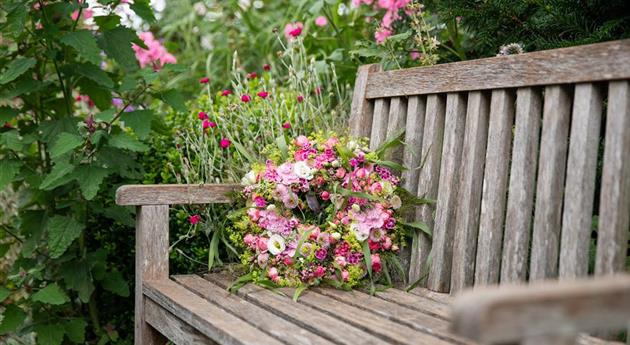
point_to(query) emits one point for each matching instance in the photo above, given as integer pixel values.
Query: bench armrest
(548, 309)
(174, 194)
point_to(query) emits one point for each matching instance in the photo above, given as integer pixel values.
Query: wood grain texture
(396, 123)
(469, 196)
(614, 209)
(579, 190)
(495, 182)
(379, 123)
(550, 184)
(428, 184)
(588, 63)
(520, 203)
(174, 194)
(208, 319)
(422, 304)
(443, 233)
(512, 313)
(176, 330)
(414, 131)
(362, 109)
(323, 324)
(443, 298)
(262, 319)
(151, 264)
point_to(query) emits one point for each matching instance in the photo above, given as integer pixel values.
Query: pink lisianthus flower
(301, 141)
(321, 21)
(345, 275)
(262, 259)
(293, 30)
(194, 219)
(250, 240)
(261, 243)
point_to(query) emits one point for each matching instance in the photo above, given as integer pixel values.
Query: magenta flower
(286, 125)
(205, 124)
(263, 94)
(225, 143)
(267, 67)
(202, 115)
(293, 30)
(226, 93)
(321, 21)
(376, 263)
(252, 75)
(204, 80)
(300, 98)
(246, 98)
(194, 219)
(155, 55)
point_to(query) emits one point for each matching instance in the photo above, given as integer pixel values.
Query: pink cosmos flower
(225, 143)
(246, 98)
(300, 98)
(286, 125)
(321, 21)
(226, 93)
(202, 115)
(194, 219)
(155, 55)
(293, 30)
(263, 94)
(204, 80)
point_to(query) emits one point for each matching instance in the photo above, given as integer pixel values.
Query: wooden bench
(509, 147)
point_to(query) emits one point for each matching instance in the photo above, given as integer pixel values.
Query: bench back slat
(614, 210)
(495, 186)
(579, 192)
(511, 149)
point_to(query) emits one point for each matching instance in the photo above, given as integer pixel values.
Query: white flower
(302, 170)
(388, 188)
(395, 202)
(249, 178)
(336, 235)
(276, 244)
(359, 235)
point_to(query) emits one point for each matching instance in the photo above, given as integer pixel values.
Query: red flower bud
(204, 80)
(263, 94)
(267, 67)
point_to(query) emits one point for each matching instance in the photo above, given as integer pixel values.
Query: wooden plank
(469, 196)
(443, 298)
(151, 264)
(173, 194)
(550, 185)
(579, 189)
(428, 184)
(396, 122)
(521, 188)
(614, 217)
(495, 182)
(260, 318)
(397, 312)
(422, 304)
(512, 313)
(588, 63)
(362, 109)
(320, 323)
(442, 250)
(414, 131)
(176, 330)
(208, 319)
(379, 123)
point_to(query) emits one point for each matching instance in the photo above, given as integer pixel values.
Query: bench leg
(151, 264)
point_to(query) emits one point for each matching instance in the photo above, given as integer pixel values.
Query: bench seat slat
(210, 320)
(176, 330)
(258, 317)
(422, 304)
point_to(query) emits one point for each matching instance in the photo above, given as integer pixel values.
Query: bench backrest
(511, 149)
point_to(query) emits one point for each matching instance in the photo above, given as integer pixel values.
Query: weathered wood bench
(509, 147)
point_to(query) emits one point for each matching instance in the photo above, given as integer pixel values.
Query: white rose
(395, 202)
(276, 244)
(360, 236)
(302, 170)
(249, 178)
(336, 235)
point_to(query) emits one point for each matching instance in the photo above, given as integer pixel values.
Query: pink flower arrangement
(155, 55)
(314, 215)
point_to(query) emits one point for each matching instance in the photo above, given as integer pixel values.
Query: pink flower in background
(300, 98)
(263, 94)
(225, 143)
(381, 34)
(266, 67)
(156, 54)
(226, 93)
(252, 75)
(204, 80)
(321, 21)
(205, 124)
(273, 274)
(86, 14)
(202, 115)
(293, 30)
(246, 98)
(286, 125)
(415, 55)
(194, 219)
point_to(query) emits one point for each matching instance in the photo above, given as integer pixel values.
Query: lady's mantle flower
(276, 244)
(194, 219)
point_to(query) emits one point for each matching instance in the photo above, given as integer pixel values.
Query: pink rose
(341, 261)
(325, 195)
(340, 173)
(273, 274)
(262, 244)
(376, 188)
(319, 271)
(262, 259)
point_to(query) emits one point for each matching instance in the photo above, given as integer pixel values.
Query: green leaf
(62, 231)
(15, 20)
(367, 256)
(114, 282)
(240, 282)
(84, 43)
(101, 95)
(4, 293)
(90, 178)
(49, 334)
(390, 164)
(11, 140)
(8, 170)
(76, 276)
(64, 144)
(51, 294)
(175, 99)
(23, 86)
(75, 330)
(106, 116)
(127, 142)
(396, 140)
(107, 22)
(298, 291)
(316, 7)
(282, 145)
(143, 10)
(213, 251)
(94, 73)
(51, 129)
(117, 44)
(8, 114)
(399, 37)
(420, 226)
(16, 68)
(243, 151)
(59, 175)
(13, 318)
(139, 121)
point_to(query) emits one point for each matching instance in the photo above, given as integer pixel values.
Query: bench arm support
(549, 312)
